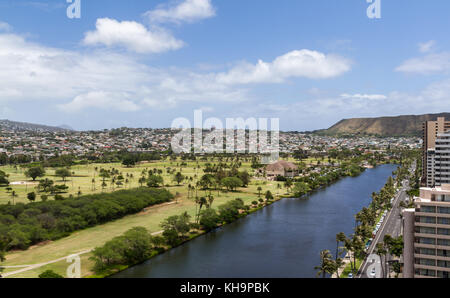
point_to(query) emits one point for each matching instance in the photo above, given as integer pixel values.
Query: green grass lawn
(97, 236)
(348, 268)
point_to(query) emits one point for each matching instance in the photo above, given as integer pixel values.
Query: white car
(373, 273)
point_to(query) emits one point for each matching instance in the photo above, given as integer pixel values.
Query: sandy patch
(23, 183)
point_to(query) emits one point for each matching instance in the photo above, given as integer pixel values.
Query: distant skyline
(142, 63)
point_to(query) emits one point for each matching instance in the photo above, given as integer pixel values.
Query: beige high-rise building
(426, 233)
(426, 228)
(436, 153)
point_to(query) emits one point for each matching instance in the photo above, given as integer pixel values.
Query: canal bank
(281, 240)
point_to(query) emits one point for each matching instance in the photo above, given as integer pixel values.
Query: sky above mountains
(143, 63)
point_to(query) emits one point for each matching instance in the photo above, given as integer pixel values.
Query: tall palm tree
(340, 237)
(381, 252)
(325, 264)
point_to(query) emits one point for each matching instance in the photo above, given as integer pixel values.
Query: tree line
(138, 245)
(22, 225)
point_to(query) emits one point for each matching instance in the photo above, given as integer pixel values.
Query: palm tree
(381, 251)
(326, 264)
(210, 201)
(288, 184)
(387, 242)
(259, 189)
(340, 237)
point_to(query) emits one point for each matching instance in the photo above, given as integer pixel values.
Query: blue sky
(144, 63)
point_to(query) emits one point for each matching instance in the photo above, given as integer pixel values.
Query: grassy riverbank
(151, 218)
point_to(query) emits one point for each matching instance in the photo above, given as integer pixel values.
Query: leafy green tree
(155, 181)
(269, 196)
(35, 172)
(2, 259)
(209, 219)
(139, 242)
(3, 178)
(63, 173)
(178, 223)
(245, 177)
(230, 211)
(31, 196)
(104, 174)
(129, 161)
(172, 237)
(50, 274)
(178, 178)
(259, 189)
(46, 185)
(288, 184)
(300, 189)
(232, 183)
(207, 181)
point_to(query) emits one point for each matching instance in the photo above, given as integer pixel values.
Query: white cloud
(330, 109)
(303, 63)
(364, 96)
(429, 64)
(426, 46)
(186, 11)
(132, 36)
(102, 100)
(5, 27)
(76, 81)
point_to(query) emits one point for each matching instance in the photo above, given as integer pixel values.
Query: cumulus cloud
(102, 100)
(303, 63)
(132, 36)
(364, 96)
(428, 64)
(330, 109)
(76, 81)
(186, 11)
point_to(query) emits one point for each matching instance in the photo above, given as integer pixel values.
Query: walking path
(34, 266)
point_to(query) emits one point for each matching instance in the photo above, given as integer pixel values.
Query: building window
(428, 209)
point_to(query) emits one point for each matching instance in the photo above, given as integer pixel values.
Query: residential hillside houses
(47, 143)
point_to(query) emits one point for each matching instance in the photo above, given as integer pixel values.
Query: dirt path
(31, 267)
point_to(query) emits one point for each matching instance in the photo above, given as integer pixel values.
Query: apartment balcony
(423, 276)
(432, 236)
(431, 225)
(426, 267)
(432, 257)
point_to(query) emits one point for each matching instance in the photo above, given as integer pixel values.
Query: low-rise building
(281, 168)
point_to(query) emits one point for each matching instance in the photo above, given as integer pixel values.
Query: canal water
(282, 240)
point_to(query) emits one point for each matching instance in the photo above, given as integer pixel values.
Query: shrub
(50, 220)
(50, 274)
(209, 219)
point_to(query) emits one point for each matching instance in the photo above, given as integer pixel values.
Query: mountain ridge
(16, 125)
(403, 125)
